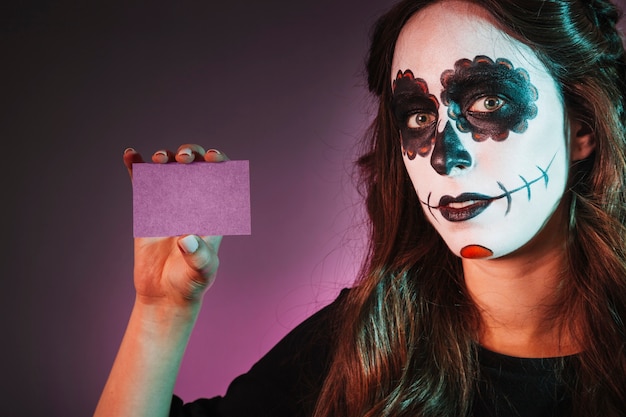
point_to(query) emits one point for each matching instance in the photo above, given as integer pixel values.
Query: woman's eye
(420, 120)
(487, 104)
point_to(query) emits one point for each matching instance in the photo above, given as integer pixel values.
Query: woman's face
(483, 131)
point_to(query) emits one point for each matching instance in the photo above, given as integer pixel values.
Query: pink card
(199, 198)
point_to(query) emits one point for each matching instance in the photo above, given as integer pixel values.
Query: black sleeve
(284, 383)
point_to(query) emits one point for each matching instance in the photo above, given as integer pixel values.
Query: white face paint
(483, 130)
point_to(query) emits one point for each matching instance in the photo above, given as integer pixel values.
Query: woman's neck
(516, 296)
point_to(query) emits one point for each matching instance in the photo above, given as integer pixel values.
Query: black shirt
(288, 379)
(510, 386)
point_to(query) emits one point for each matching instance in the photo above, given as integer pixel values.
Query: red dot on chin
(476, 252)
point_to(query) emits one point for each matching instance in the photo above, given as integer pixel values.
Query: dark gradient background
(275, 82)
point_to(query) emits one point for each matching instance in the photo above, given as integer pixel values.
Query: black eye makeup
(489, 98)
(415, 111)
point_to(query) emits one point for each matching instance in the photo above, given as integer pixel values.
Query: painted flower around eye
(489, 98)
(415, 112)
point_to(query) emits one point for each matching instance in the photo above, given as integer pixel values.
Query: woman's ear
(582, 140)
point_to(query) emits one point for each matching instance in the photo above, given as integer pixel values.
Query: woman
(496, 277)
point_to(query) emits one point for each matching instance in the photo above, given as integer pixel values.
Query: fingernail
(189, 244)
(161, 153)
(128, 150)
(185, 152)
(214, 151)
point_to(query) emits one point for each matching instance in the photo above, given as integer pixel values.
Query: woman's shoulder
(310, 341)
(286, 381)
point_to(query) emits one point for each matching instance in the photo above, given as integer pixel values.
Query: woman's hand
(175, 271)
(171, 275)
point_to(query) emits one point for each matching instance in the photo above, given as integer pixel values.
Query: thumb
(201, 255)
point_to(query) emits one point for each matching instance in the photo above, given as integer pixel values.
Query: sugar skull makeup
(483, 131)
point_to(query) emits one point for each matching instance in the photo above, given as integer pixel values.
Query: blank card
(200, 198)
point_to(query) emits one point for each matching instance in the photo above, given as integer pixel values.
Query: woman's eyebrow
(498, 74)
(408, 92)
(406, 97)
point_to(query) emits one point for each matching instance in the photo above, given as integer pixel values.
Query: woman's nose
(449, 156)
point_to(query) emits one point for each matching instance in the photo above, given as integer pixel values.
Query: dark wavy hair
(406, 337)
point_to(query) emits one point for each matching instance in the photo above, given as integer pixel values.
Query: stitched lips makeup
(466, 206)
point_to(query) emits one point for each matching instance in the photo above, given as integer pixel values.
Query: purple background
(275, 82)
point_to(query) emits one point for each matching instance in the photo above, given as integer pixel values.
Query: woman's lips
(463, 207)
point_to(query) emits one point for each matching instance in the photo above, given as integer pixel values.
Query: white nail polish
(214, 151)
(189, 244)
(185, 152)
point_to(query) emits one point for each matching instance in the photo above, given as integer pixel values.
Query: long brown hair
(405, 342)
